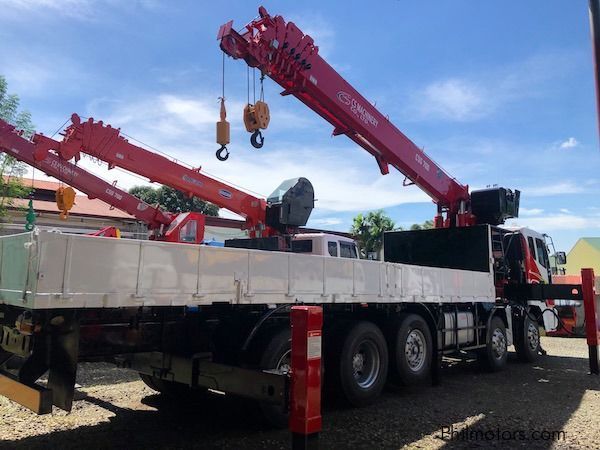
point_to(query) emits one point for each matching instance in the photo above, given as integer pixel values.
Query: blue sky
(496, 92)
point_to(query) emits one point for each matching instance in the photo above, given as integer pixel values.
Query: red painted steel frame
(12, 143)
(305, 391)
(106, 143)
(111, 232)
(594, 7)
(592, 318)
(289, 57)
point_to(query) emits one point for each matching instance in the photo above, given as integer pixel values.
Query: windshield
(180, 218)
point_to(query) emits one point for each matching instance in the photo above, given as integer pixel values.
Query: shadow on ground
(542, 397)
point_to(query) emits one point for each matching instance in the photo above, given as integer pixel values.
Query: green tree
(173, 200)
(427, 225)
(145, 193)
(11, 170)
(368, 231)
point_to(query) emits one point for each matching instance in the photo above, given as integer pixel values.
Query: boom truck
(207, 318)
(282, 52)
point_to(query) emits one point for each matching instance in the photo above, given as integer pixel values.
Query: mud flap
(57, 352)
(64, 352)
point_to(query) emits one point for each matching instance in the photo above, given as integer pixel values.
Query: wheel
(360, 363)
(527, 339)
(495, 355)
(411, 350)
(171, 388)
(277, 355)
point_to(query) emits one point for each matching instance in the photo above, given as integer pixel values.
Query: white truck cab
(325, 244)
(536, 267)
(537, 261)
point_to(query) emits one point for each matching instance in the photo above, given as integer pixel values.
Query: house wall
(582, 255)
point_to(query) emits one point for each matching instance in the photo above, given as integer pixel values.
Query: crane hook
(222, 133)
(222, 154)
(256, 139)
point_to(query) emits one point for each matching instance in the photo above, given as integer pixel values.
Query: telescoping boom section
(13, 144)
(289, 57)
(282, 212)
(184, 227)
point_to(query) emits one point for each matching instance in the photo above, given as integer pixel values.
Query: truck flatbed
(45, 270)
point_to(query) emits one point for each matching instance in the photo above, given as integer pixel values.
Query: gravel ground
(514, 408)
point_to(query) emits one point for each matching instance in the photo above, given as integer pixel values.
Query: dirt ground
(552, 404)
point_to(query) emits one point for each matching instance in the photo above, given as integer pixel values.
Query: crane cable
(223, 129)
(256, 115)
(64, 196)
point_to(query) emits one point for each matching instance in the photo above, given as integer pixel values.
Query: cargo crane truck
(207, 318)
(282, 52)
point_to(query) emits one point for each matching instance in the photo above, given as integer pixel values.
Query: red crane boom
(288, 208)
(105, 142)
(290, 57)
(166, 225)
(23, 150)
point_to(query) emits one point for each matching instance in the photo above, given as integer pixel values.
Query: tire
(277, 355)
(495, 355)
(527, 339)
(411, 350)
(358, 367)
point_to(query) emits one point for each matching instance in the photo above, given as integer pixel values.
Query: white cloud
(470, 97)
(318, 28)
(569, 143)
(326, 221)
(350, 192)
(87, 10)
(34, 73)
(557, 222)
(345, 179)
(530, 212)
(172, 120)
(229, 215)
(189, 112)
(80, 9)
(566, 187)
(451, 99)
(340, 184)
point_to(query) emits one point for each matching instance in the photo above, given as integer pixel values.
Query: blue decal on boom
(226, 194)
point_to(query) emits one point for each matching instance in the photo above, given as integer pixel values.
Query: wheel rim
(498, 343)
(284, 364)
(415, 350)
(533, 336)
(366, 364)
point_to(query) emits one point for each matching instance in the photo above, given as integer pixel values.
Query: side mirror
(561, 258)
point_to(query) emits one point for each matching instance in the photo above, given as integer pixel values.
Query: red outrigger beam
(305, 391)
(591, 305)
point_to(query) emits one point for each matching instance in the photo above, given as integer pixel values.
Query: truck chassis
(204, 318)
